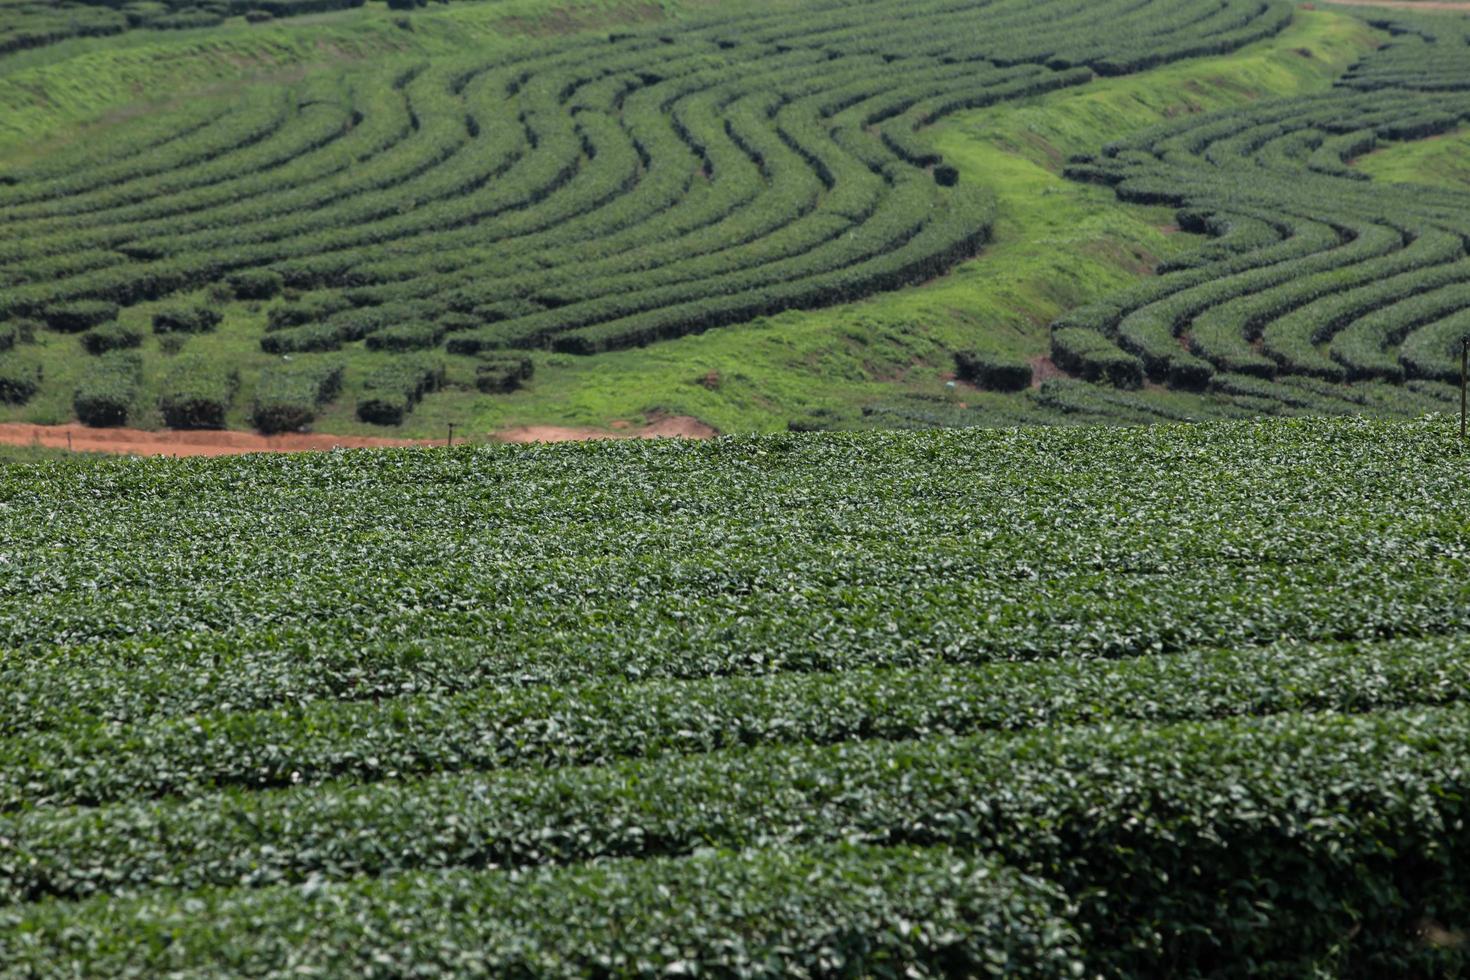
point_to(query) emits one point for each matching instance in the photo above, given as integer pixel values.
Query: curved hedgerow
(583, 193)
(1312, 271)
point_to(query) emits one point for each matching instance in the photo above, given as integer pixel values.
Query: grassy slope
(1443, 161)
(50, 94)
(1058, 243)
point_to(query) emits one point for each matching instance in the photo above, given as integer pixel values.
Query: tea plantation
(454, 215)
(1071, 702)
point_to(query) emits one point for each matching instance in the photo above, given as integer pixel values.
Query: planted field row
(428, 704)
(26, 24)
(1312, 271)
(587, 193)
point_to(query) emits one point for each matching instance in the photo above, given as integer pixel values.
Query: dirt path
(1460, 5)
(170, 442)
(138, 442)
(668, 427)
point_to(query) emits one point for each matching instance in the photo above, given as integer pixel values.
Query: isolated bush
(186, 319)
(20, 378)
(112, 336)
(80, 315)
(255, 284)
(287, 396)
(392, 391)
(502, 373)
(197, 393)
(994, 372)
(107, 392)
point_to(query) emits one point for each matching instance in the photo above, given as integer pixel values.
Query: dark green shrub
(304, 311)
(20, 378)
(24, 330)
(502, 373)
(257, 16)
(107, 392)
(197, 394)
(9, 336)
(80, 315)
(186, 319)
(255, 284)
(946, 175)
(1093, 357)
(112, 336)
(312, 337)
(392, 391)
(288, 395)
(406, 336)
(994, 372)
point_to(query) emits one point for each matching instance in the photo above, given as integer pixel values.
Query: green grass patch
(1440, 161)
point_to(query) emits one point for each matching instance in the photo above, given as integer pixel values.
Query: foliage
(197, 393)
(1313, 271)
(992, 371)
(394, 389)
(288, 396)
(108, 390)
(186, 319)
(74, 317)
(359, 710)
(588, 193)
(111, 336)
(20, 378)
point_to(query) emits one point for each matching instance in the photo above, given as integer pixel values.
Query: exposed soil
(169, 442)
(1043, 369)
(668, 427)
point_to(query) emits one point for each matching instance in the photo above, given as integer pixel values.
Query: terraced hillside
(1160, 701)
(581, 195)
(1316, 275)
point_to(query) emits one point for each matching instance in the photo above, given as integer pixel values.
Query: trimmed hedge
(255, 283)
(502, 373)
(20, 378)
(287, 396)
(197, 393)
(994, 372)
(79, 315)
(406, 337)
(186, 319)
(109, 388)
(391, 391)
(832, 910)
(112, 336)
(1093, 357)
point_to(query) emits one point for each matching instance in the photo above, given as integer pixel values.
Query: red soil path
(138, 442)
(171, 442)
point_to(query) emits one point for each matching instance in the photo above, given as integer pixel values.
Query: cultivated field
(996, 687)
(341, 245)
(1151, 701)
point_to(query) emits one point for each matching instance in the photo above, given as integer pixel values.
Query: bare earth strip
(170, 442)
(138, 442)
